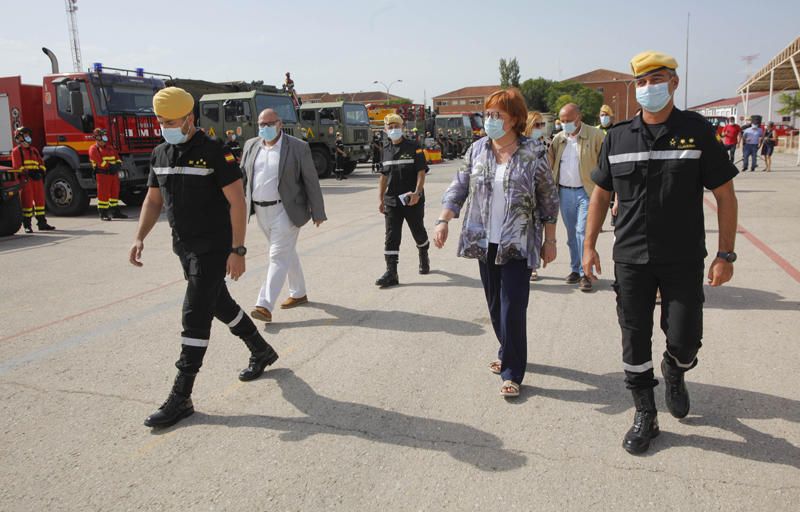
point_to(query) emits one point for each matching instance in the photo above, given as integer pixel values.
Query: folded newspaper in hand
(405, 198)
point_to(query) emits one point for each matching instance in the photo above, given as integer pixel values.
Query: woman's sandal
(509, 389)
(495, 367)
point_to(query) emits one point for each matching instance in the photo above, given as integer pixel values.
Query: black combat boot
(42, 225)
(117, 213)
(676, 395)
(424, 260)
(178, 404)
(262, 355)
(104, 214)
(645, 422)
(389, 278)
(26, 224)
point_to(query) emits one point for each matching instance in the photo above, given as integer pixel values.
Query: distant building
(367, 98)
(618, 90)
(758, 105)
(464, 100)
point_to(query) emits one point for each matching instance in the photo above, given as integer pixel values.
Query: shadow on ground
(327, 416)
(712, 406)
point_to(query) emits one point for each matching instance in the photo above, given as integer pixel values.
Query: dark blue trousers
(507, 289)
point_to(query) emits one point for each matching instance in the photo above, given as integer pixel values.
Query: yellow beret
(606, 109)
(649, 61)
(392, 118)
(172, 103)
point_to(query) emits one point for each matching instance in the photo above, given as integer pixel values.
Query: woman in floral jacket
(508, 198)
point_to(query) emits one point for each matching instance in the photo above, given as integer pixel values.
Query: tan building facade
(464, 100)
(618, 90)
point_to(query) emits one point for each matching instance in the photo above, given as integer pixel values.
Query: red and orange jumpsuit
(29, 163)
(106, 162)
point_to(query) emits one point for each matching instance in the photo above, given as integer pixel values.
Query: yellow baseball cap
(172, 103)
(607, 110)
(649, 61)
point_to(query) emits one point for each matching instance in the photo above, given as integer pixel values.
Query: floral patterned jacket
(531, 201)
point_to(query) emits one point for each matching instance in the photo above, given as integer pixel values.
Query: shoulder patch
(229, 158)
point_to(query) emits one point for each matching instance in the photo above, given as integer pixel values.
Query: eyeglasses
(493, 115)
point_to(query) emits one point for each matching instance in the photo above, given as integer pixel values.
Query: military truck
(222, 106)
(321, 121)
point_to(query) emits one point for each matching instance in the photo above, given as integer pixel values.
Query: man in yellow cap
(401, 197)
(200, 185)
(658, 164)
(606, 118)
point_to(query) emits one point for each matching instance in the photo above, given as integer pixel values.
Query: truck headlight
(122, 175)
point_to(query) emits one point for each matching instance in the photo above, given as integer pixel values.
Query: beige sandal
(495, 366)
(509, 389)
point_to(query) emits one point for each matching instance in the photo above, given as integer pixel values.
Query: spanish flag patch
(229, 158)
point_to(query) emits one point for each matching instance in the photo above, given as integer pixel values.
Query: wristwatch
(730, 257)
(241, 250)
(440, 221)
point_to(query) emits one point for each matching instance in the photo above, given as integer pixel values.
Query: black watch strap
(730, 257)
(241, 250)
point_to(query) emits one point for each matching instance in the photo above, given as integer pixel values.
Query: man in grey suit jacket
(282, 190)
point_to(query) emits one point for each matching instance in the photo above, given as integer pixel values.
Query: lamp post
(627, 94)
(388, 87)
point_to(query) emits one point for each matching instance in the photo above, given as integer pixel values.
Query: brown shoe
(291, 302)
(585, 285)
(261, 313)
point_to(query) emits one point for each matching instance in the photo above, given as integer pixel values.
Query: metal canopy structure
(780, 73)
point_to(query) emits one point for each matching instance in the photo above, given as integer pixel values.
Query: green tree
(561, 101)
(791, 105)
(586, 98)
(535, 92)
(509, 73)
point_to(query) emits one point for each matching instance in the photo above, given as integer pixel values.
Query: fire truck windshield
(282, 105)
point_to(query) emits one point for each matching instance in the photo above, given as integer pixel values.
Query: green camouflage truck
(320, 122)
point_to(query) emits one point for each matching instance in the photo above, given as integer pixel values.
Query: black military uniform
(191, 177)
(341, 159)
(401, 164)
(659, 173)
(377, 149)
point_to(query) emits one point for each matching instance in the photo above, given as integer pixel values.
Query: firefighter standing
(106, 164)
(200, 185)
(341, 157)
(402, 198)
(26, 160)
(377, 148)
(232, 145)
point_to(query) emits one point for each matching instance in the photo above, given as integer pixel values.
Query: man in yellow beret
(401, 198)
(606, 118)
(199, 183)
(658, 164)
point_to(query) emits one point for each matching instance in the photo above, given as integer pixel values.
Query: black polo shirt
(191, 177)
(401, 164)
(659, 173)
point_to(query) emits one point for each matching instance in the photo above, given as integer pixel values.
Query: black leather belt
(266, 203)
(571, 188)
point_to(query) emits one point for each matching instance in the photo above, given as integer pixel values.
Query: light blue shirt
(752, 135)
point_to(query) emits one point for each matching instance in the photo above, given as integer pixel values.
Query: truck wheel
(64, 194)
(349, 167)
(133, 197)
(10, 216)
(322, 161)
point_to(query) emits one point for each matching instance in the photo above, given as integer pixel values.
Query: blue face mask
(605, 121)
(653, 98)
(494, 128)
(27, 139)
(173, 135)
(268, 132)
(569, 127)
(536, 133)
(395, 133)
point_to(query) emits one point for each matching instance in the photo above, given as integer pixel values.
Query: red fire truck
(62, 113)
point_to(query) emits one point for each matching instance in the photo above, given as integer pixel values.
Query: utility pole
(686, 75)
(75, 45)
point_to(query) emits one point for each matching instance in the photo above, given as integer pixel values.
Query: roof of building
(475, 90)
(600, 76)
(727, 102)
(778, 74)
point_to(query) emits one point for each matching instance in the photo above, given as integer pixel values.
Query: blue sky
(433, 46)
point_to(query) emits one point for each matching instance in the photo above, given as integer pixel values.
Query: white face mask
(395, 133)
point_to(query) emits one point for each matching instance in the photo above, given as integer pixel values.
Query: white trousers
(283, 259)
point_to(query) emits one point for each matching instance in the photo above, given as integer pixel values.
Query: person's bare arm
(382, 184)
(598, 205)
(721, 271)
(151, 211)
(234, 193)
(418, 191)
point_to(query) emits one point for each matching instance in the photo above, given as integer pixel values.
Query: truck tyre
(133, 197)
(349, 167)
(63, 193)
(322, 161)
(10, 216)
